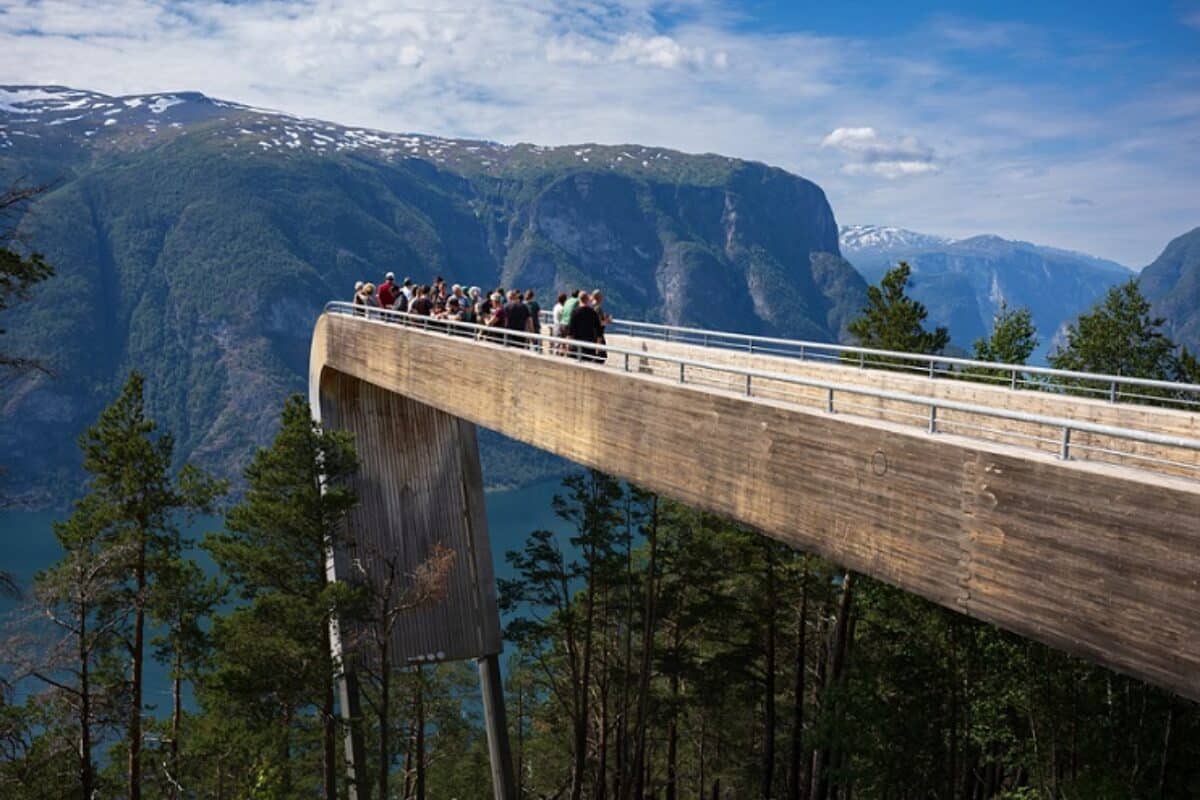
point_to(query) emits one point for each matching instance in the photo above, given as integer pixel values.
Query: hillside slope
(963, 281)
(197, 240)
(1172, 284)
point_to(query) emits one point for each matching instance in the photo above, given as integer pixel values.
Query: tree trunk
(621, 767)
(600, 784)
(135, 686)
(520, 741)
(837, 658)
(583, 690)
(1166, 749)
(637, 783)
(285, 767)
(795, 779)
(420, 754)
(385, 713)
(768, 766)
(329, 738)
(176, 721)
(673, 723)
(86, 775)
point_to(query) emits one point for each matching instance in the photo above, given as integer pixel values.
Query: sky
(1070, 124)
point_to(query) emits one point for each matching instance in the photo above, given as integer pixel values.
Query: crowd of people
(578, 316)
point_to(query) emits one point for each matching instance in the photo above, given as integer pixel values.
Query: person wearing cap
(408, 291)
(357, 288)
(388, 290)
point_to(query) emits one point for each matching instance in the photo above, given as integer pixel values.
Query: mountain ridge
(197, 240)
(963, 281)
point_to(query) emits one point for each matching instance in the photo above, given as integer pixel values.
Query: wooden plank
(1098, 560)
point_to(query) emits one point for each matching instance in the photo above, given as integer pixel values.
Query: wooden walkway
(1097, 554)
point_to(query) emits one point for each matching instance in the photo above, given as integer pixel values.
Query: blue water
(27, 545)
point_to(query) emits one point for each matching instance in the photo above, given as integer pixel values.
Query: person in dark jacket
(585, 328)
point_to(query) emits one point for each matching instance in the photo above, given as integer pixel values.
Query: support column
(420, 488)
(491, 683)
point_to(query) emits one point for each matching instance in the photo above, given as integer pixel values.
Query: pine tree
(894, 321)
(274, 551)
(132, 490)
(81, 596)
(1119, 336)
(1012, 340)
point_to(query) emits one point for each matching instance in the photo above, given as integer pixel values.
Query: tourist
(388, 290)
(558, 328)
(357, 288)
(535, 310)
(516, 318)
(597, 299)
(569, 306)
(422, 306)
(409, 291)
(467, 311)
(368, 298)
(585, 327)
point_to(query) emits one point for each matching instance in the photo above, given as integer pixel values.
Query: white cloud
(1192, 20)
(872, 155)
(663, 51)
(572, 71)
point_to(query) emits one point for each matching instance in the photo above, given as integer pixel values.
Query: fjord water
(27, 545)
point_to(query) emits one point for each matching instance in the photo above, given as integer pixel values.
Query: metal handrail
(1065, 425)
(711, 338)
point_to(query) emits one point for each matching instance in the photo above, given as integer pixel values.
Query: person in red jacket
(388, 290)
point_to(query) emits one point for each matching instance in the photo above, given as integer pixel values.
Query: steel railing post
(1064, 450)
(829, 401)
(747, 385)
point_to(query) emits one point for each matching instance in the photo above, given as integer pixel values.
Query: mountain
(963, 281)
(197, 240)
(1172, 284)
(876, 243)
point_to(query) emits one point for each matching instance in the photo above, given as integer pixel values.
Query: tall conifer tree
(274, 550)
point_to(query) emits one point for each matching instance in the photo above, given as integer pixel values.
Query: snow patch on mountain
(886, 237)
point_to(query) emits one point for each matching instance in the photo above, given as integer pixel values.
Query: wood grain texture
(419, 485)
(1097, 560)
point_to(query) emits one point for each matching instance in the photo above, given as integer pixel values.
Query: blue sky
(1071, 124)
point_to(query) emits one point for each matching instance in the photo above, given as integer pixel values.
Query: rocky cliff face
(197, 240)
(1172, 284)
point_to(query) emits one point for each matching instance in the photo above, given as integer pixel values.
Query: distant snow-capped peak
(885, 237)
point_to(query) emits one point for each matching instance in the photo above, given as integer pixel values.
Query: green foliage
(1012, 340)
(894, 321)
(272, 663)
(1120, 336)
(20, 271)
